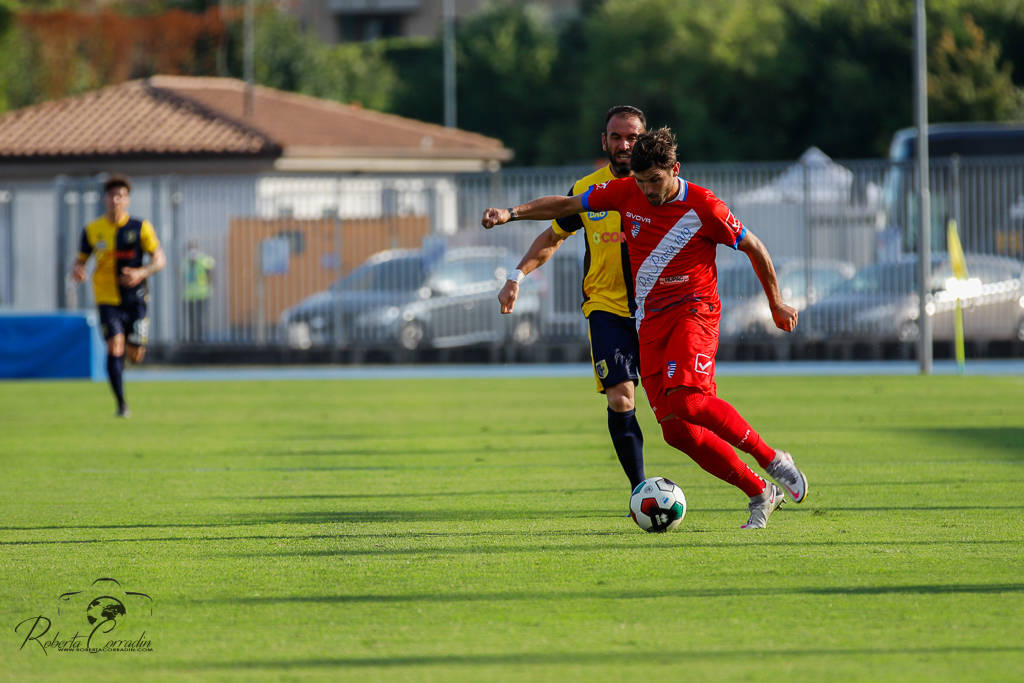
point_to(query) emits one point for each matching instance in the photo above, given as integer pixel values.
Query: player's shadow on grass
(424, 494)
(385, 516)
(399, 452)
(593, 593)
(978, 442)
(541, 660)
(434, 550)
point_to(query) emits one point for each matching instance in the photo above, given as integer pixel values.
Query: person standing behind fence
(120, 242)
(607, 290)
(198, 288)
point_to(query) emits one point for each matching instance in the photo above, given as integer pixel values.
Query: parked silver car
(880, 302)
(403, 299)
(745, 312)
(458, 306)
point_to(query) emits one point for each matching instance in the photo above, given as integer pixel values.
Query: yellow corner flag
(959, 265)
(956, 252)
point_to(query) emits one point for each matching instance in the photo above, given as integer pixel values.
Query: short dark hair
(656, 149)
(626, 109)
(115, 181)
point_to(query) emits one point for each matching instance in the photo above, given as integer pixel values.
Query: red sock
(712, 454)
(721, 418)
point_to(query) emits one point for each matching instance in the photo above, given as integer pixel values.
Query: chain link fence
(353, 268)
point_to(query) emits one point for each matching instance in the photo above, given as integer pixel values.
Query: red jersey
(671, 248)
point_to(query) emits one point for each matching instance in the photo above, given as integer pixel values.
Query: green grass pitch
(473, 530)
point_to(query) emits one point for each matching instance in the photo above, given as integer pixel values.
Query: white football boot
(783, 470)
(761, 507)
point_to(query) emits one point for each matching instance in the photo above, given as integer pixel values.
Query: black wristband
(512, 214)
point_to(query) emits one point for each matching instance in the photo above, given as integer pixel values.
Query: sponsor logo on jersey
(638, 217)
(101, 245)
(616, 237)
(733, 222)
(596, 215)
(671, 366)
(675, 279)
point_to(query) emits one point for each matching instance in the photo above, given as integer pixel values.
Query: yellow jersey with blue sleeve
(607, 280)
(117, 246)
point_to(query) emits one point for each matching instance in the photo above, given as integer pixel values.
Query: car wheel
(908, 331)
(525, 332)
(411, 336)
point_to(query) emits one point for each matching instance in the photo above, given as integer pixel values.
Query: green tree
(19, 73)
(506, 56)
(968, 81)
(351, 73)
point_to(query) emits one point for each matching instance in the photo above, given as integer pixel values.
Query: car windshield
(738, 283)
(882, 278)
(394, 275)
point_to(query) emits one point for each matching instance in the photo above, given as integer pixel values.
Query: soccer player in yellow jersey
(120, 242)
(607, 290)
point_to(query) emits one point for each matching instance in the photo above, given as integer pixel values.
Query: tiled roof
(179, 116)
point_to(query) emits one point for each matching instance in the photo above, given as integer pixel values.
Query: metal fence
(357, 264)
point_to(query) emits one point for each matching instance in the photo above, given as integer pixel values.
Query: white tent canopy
(815, 174)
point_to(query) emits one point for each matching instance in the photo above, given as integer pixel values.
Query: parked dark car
(459, 306)
(745, 312)
(401, 298)
(327, 318)
(880, 302)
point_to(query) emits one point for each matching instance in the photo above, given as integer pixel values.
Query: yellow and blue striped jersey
(116, 247)
(607, 282)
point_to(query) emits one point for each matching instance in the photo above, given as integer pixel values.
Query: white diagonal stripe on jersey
(671, 244)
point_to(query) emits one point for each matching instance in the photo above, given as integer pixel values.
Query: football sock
(721, 418)
(629, 444)
(115, 372)
(713, 454)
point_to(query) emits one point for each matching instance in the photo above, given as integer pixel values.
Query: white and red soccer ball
(657, 504)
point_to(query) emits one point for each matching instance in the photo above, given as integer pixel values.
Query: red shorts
(682, 355)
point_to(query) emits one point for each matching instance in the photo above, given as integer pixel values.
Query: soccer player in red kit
(673, 229)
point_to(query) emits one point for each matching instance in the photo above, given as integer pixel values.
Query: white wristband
(516, 276)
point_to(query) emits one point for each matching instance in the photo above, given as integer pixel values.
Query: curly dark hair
(656, 149)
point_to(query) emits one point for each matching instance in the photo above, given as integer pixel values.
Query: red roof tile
(175, 116)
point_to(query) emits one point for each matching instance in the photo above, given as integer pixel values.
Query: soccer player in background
(607, 290)
(120, 243)
(673, 229)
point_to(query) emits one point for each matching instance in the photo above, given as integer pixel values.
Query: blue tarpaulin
(51, 345)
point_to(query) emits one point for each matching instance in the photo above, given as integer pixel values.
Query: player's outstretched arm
(542, 249)
(543, 208)
(785, 316)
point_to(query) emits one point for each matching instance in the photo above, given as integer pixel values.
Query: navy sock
(629, 444)
(115, 371)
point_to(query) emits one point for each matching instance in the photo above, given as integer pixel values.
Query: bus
(976, 178)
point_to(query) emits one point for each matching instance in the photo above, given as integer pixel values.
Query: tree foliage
(736, 79)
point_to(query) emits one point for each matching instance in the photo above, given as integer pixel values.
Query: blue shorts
(614, 349)
(129, 320)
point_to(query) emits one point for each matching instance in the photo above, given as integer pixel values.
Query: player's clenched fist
(494, 217)
(785, 317)
(508, 295)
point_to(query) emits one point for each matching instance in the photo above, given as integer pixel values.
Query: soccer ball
(657, 504)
